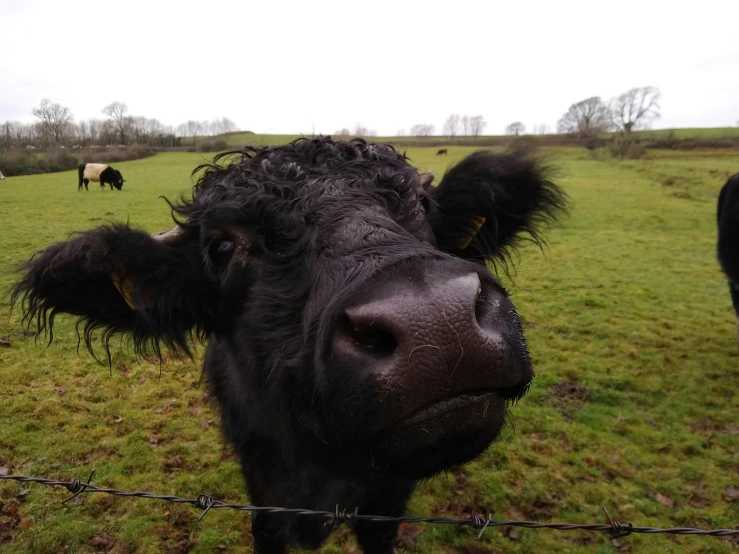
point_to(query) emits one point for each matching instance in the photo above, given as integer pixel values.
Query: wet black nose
(435, 330)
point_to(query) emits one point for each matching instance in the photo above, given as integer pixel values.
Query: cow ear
(487, 203)
(122, 281)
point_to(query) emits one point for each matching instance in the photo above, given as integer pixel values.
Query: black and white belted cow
(99, 172)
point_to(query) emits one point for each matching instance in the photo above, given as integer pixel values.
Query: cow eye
(220, 252)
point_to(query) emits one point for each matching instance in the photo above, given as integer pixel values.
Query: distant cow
(356, 340)
(99, 172)
(441, 151)
(728, 238)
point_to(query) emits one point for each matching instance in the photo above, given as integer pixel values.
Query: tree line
(635, 109)
(56, 126)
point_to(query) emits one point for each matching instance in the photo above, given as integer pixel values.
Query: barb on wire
(77, 488)
(479, 523)
(618, 530)
(206, 503)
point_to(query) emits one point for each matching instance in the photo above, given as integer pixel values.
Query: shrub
(626, 146)
(212, 145)
(57, 160)
(114, 155)
(18, 162)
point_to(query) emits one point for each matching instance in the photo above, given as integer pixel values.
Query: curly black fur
(512, 191)
(275, 244)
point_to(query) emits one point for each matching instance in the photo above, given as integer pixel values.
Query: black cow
(728, 238)
(356, 341)
(441, 151)
(99, 172)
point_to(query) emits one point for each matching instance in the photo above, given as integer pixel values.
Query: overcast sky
(302, 66)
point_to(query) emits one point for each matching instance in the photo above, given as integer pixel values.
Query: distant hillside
(667, 138)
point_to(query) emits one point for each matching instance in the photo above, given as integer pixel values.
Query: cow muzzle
(443, 344)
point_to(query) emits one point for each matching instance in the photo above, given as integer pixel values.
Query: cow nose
(429, 329)
(380, 326)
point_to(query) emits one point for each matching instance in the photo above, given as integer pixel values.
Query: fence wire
(206, 503)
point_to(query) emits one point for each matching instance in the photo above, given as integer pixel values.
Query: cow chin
(443, 435)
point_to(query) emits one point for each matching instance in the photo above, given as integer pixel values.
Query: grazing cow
(356, 341)
(99, 172)
(728, 238)
(441, 151)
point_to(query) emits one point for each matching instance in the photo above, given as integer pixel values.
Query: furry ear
(122, 281)
(486, 201)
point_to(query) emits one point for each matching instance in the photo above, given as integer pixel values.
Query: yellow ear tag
(124, 286)
(476, 224)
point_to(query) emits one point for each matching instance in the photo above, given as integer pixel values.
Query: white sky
(311, 65)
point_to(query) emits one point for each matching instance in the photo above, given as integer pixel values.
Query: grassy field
(698, 132)
(635, 406)
(239, 139)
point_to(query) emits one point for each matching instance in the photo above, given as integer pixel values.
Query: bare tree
(422, 130)
(94, 127)
(194, 129)
(55, 119)
(586, 118)
(516, 128)
(477, 125)
(82, 132)
(228, 126)
(12, 132)
(636, 108)
(543, 129)
(400, 133)
(452, 124)
(465, 125)
(117, 112)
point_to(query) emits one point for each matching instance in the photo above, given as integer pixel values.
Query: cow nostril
(482, 305)
(488, 307)
(366, 337)
(374, 340)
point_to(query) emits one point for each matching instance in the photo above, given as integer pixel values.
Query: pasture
(635, 404)
(260, 139)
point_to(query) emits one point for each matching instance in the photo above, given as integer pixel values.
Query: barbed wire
(206, 503)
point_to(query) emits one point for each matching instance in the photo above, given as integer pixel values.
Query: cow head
(348, 298)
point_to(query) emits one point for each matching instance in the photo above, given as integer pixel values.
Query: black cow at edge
(356, 341)
(728, 238)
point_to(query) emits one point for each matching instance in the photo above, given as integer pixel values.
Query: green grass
(630, 328)
(697, 132)
(255, 139)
